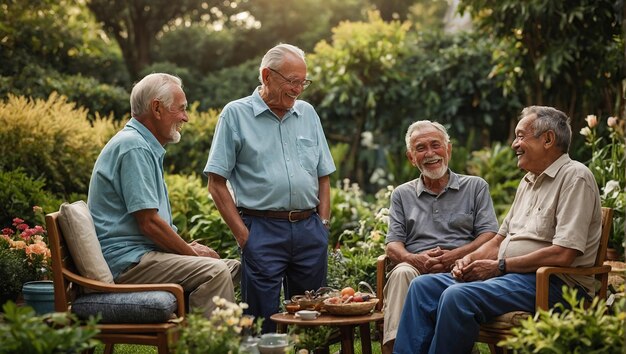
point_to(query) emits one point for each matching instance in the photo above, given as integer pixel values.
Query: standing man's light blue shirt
(271, 164)
(129, 173)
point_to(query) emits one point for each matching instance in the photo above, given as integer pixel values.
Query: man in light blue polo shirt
(129, 203)
(273, 151)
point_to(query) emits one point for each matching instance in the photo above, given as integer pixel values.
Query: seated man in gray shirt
(434, 220)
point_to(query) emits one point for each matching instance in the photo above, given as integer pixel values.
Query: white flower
(612, 188)
(585, 131)
(611, 121)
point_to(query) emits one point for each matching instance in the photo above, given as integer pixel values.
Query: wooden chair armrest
(174, 289)
(380, 280)
(543, 280)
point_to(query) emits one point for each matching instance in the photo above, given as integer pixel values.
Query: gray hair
(549, 118)
(153, 86)
(275, 57)
(424, 125)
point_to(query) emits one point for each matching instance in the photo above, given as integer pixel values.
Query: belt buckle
(289, 217)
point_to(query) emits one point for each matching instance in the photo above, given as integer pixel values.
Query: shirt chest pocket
(308, 154)
(544, 224)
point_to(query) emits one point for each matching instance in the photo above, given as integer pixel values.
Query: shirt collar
(152, 141)
(259, 106)
(551, 171)
(453, 183)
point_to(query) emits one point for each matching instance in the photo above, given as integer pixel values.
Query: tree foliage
(563, 54)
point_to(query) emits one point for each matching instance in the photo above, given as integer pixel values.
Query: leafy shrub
(21, 331)
(196, 216)
(572, 330)
(98, 98)
(51, 139)
(362, 227)
(190, 155)
(14, 273)
(498, 166)
(229, 84)
(19, 193)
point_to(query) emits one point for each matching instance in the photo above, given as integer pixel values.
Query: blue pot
(39, 295)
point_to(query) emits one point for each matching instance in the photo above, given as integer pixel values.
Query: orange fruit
(347, 291)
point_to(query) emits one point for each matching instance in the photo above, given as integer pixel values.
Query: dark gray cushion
(138, 307)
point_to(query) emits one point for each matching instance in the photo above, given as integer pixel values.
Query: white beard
(436, 174)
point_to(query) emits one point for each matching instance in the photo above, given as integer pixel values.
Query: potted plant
(24, 257)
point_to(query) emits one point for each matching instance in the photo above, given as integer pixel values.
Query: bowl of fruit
(351, 302)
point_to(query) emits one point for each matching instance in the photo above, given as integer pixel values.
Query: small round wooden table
(346, 326)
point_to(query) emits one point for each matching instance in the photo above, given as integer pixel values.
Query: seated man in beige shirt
(433, 220)
(555, 220)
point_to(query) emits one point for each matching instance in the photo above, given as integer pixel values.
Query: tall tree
(135, 23)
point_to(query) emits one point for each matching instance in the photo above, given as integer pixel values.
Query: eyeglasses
(294, 83)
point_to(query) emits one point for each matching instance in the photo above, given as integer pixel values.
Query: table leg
(366, 340)
(281, 328)
(347, 339)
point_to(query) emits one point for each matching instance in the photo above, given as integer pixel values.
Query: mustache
(432, 159)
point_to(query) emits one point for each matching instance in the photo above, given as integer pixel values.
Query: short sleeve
(138, 180)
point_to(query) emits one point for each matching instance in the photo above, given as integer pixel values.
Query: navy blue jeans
(281, 253)
(442, 315)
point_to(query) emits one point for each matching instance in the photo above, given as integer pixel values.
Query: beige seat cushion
(79, 233)
(508, 320)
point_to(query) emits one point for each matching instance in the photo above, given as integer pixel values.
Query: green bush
(13, 272)
(572, 330)
(21, 331)
(51, 139)
(98, 98)
(190, 155)
(229, 84)
(498, 166)
(196, 216)
(19, 193)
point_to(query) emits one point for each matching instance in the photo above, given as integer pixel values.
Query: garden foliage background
(68, 66)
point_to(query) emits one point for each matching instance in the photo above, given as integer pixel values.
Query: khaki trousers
(398, 281)
(201, 277)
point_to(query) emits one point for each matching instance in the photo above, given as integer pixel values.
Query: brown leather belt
(292, 216)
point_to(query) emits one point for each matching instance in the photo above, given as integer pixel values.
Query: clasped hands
(204, 251)
(468, 270)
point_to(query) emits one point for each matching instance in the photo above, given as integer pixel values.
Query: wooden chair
(500, 328)
(68, 285)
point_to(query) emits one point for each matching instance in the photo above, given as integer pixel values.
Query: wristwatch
(326, 223)
(502, 265)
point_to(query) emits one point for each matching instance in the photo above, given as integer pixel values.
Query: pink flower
(21, 227)
(592, 120)
(17, 221)
(7, 231)
(38, 248)
(39, 230)
(611, 121)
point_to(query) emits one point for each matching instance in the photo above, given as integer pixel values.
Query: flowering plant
(219, 334)
(609, 168)
(24, 256)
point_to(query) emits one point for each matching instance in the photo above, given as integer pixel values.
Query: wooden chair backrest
(607, 223)
(64, 290)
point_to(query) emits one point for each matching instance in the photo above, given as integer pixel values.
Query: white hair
(153, 86)
(275, 57)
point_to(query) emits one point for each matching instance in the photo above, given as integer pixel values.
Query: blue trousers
(442, 315)
(279, 253)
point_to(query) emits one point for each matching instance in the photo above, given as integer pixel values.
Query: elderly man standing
(271, 147)
(555, 220)
(433, 220)
(131, 210)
